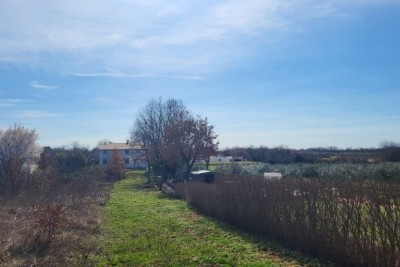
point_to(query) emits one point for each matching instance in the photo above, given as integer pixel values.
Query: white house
(272, 175)
(220, 158)
(132, 154)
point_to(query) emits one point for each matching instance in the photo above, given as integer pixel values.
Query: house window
(104, 161)
(126, 151)
(126, 161)
(104, 152)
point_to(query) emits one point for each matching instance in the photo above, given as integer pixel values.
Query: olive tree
(19, 152)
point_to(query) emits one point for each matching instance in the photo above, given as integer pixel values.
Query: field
(147, 228)
(352, 171)
(80, 221)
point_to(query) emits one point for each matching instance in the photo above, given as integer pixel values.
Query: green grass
(144, 227)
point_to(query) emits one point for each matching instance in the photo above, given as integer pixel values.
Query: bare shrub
(49, 219)
(348, 222)
(68, 213)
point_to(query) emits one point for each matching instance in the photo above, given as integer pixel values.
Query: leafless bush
(68, 212)
(349, 222)
(49, 219)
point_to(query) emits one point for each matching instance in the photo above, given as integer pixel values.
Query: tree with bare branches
(189, 140)
(148, 130)
(172, 137)
(19, 152)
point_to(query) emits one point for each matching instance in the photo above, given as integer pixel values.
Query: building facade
(131, 155)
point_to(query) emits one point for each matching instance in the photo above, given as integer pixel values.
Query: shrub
(49, 220)
(349, 222)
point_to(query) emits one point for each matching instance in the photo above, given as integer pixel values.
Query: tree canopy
(172, 137)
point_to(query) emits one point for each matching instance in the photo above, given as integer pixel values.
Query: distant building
(132, 155)
(221, 158)
(272, 175)
(238, 158)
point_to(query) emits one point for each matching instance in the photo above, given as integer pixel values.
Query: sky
(301, 73)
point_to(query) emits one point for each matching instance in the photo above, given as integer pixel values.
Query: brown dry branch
(68, 214)
(350, 223)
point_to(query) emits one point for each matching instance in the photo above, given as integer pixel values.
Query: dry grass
(23, 244)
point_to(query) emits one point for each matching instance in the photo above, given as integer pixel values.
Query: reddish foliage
(49, 219)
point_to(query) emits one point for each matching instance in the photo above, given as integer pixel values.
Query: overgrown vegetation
(388, 151)
(146, 228)
(53, 222)
(52, 201)
(348, 222)
(363, 171)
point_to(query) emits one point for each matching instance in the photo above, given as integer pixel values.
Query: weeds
(53, 222)
(49, 219)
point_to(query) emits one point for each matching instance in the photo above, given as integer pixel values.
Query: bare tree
(188, 140)
(19, 151)
(172, 138)
(149, 127)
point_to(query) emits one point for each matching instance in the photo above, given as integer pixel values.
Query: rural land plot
(145, 228)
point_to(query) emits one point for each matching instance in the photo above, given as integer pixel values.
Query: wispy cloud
(175, 37)
(10, 102)
(126, 75)
(10, 59)
(36, 114)
(37, 85)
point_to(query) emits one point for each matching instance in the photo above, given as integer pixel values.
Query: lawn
(144, 227)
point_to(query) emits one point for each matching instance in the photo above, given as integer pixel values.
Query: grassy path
(145, 228)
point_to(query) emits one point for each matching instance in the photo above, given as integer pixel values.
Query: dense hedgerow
(349, 222)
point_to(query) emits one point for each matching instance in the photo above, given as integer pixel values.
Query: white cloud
(126, 75)
(10, 102)
(37, 85)
(36, 114)
(177, 38)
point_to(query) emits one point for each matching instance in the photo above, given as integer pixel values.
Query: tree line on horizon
(387, 152)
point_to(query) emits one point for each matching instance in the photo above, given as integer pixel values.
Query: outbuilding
(202, 176)
(272, 175)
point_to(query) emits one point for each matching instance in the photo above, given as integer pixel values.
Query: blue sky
(304, 73)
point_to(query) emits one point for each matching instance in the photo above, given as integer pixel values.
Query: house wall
(132, 158)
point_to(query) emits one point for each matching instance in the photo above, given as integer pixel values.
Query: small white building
(272, 175)
(220, 158)
(132, 155)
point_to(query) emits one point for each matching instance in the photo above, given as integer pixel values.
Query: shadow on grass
(163, 195)
(133, 186)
